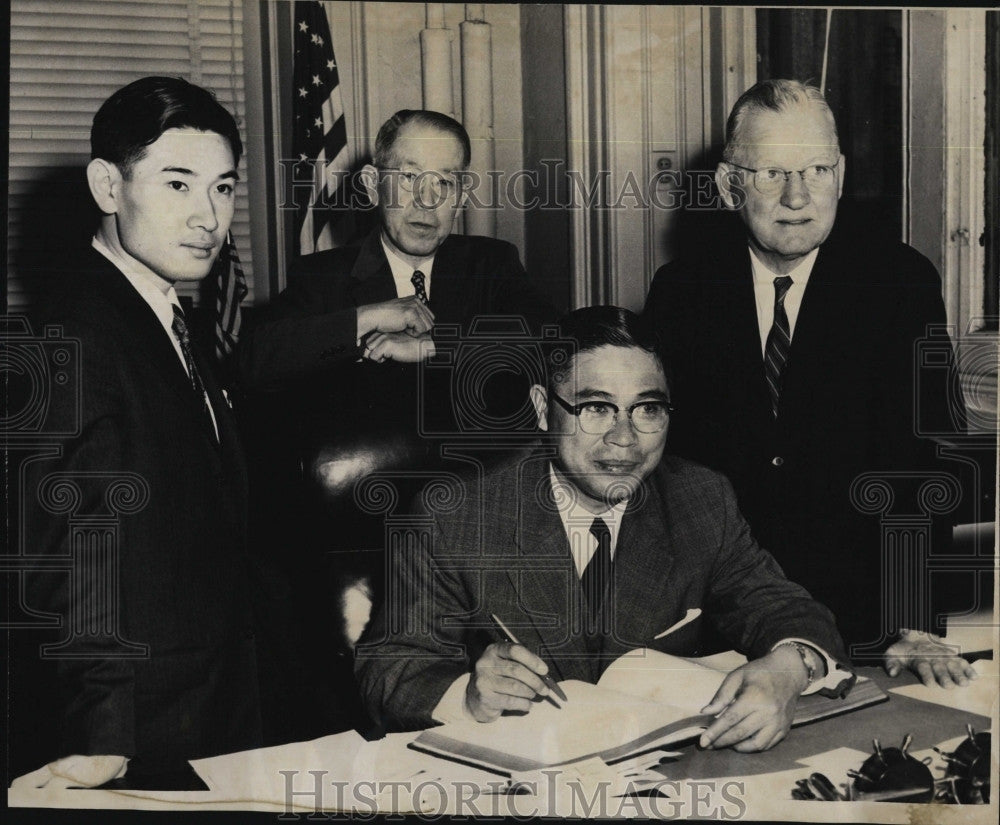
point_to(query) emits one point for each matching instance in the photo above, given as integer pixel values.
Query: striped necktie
(180, 328)
(779, 342)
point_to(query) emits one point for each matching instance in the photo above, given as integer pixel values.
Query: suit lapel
(643, 561)
(738, 323)
(450, 279)
(543, 578)
(371, 277)
(143, 329)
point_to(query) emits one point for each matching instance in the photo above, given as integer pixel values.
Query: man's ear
(842, 166)
(369, 180)
(725, 177)
(104, 179)
(540, 401)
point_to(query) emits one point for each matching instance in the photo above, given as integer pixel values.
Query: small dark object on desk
(967, 781)
(893, 769)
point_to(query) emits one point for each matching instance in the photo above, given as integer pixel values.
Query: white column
(477, 112)
(435, 59)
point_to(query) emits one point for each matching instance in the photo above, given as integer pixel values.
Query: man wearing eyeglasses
(381, 299)
(793, 336)
(589, 547)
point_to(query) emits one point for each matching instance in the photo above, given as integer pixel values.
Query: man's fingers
(924, 671)
(893, 664)
(725, 694)
(735, 730)
(720, 732)
(503, 660)
(519, 653)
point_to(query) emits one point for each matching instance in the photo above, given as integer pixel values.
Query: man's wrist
(807, 658)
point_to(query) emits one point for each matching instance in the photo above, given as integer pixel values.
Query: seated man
(382, 298)
(588, 548)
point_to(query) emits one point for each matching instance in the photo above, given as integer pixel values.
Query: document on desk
(645, 699)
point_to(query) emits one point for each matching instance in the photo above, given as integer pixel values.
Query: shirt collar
(142, 280)
(401, 270)
(577, 517)
(764, 275)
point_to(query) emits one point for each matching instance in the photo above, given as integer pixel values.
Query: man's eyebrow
(659, 395)
(180, 170)
(591, 392)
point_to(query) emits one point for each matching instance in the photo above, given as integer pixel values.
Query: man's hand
(398, 346)
(506, 677)
(75, 772)
(755, 704)
(407, 314)
(930, 658)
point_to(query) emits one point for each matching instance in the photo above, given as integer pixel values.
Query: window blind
(66, 59)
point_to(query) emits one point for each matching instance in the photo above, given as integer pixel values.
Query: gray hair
(776, 95)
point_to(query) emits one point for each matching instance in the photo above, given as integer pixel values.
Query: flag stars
(331, 65)
(303, 92)
(317, 40)
(318, 122)
(303, 26)
(317, 81)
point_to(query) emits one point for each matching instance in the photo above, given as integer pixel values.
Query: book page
(688, 684)
(594, 720)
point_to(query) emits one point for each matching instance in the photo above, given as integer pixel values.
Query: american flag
(231, 288)
(320, 134)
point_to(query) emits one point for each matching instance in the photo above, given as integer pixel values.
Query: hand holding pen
(508, 676)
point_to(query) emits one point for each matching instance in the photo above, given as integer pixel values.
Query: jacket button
(777, 461)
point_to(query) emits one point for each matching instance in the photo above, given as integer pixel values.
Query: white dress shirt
(763, 291)
(402, 272)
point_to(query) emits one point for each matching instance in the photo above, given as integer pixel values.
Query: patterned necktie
(597, 574)
(418, 285)
(180, 328)
(779, 341)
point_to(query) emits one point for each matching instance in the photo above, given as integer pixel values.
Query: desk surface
(888, 722)
(253, 781)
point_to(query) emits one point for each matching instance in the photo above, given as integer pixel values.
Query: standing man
(381, 299)
(162, 668)
(793, 339)
(592, 546)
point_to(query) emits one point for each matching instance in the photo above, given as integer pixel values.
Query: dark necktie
(597, 574)
(418, 281)
(180, 329)
(779, 342)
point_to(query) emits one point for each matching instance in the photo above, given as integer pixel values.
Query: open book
(644, 700)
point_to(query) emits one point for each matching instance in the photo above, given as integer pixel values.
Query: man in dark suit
(382, 298)
(793, 337)
(590, 547)
(158, 665)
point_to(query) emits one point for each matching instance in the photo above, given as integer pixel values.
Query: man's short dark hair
(136, 115)
(775, 95)
(386, 138)
(590, 328)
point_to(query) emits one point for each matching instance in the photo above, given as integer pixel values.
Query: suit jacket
(847, 404)
(178, 524)
(499, 546)
(312, 325)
